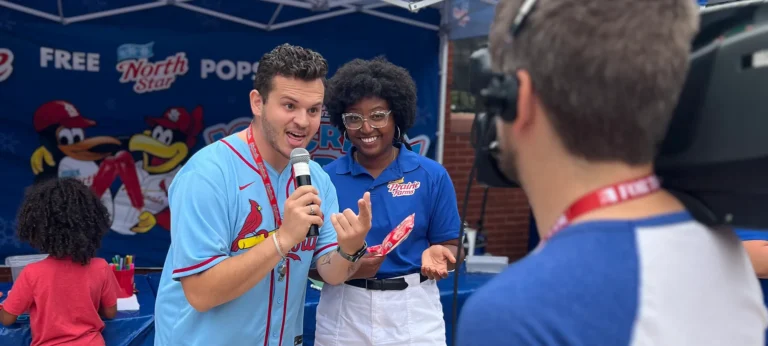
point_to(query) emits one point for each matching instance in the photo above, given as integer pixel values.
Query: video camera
(715, 155)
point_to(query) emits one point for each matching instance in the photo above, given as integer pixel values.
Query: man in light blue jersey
(621, 261)
(236, 271)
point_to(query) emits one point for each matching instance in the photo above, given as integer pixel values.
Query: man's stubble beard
(270, 134)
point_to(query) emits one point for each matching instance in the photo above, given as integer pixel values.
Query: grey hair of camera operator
(608, 73)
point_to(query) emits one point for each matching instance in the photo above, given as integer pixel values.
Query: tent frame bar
(31, 11)
(342, 7)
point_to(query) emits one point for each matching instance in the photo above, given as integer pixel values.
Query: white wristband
(277, 245)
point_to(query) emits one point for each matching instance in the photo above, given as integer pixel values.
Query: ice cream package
(394, 238)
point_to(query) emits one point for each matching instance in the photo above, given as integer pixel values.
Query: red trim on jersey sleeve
(324, 247)
(186, 269)
(240, 156)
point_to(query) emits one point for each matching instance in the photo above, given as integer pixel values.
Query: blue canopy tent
(116, 70)
(176, 74)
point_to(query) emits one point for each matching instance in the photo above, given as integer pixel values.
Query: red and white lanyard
(604, 197)
(264, 176)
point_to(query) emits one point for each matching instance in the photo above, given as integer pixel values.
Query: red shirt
(63, 300)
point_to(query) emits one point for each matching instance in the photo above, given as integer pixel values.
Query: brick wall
(507, 210)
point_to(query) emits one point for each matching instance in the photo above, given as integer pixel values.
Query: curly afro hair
(63, 218)
(359, 79)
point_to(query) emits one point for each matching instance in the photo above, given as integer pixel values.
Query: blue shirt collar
(406, 161)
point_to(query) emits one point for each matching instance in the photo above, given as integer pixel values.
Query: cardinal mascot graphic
(130, 173)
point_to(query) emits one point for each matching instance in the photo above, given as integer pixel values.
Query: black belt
(396, 284)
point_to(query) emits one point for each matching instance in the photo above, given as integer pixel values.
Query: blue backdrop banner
(122, 102)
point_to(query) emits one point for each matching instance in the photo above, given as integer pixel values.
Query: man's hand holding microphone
(301, 211)
(303, 216)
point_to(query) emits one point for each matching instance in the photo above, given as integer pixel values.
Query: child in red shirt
(66, 292)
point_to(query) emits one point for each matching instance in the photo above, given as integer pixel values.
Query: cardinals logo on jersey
(248, 237)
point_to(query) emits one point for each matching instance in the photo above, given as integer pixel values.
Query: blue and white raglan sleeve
(326, 242)
(199, 223)
(481, 323)
(444, 221)
(751, 234)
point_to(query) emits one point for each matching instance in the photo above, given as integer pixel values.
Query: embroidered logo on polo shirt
(400, 188)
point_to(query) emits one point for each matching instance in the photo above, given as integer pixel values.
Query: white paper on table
(128, 304)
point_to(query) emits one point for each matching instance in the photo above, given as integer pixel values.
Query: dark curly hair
(63, 218)
(290, 62)
(359, 79)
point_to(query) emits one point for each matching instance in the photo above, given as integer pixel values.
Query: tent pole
(61, 12)
(443, 55)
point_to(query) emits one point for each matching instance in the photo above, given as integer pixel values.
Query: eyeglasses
(377, 120)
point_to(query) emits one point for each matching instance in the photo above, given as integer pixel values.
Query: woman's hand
(369, 266)
(434, 262)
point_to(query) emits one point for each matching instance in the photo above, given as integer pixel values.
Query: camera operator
(621, 260)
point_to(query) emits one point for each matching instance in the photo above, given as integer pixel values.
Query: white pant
(348, 315)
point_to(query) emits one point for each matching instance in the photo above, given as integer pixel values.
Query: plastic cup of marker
(124, 280)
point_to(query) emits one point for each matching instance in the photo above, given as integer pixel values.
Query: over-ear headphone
(498, 94)
(499, 91)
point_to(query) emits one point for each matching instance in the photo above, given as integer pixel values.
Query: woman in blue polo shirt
(392, 300)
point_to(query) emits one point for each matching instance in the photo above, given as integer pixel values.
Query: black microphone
(300, 163)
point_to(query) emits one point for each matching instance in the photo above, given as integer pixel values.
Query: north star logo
(147, 76)
(6, 63)
(248, 238)
(397, 188)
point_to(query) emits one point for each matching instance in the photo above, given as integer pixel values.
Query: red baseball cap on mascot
(60, 113)
(178, 119)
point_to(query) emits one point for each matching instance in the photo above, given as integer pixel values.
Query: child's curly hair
(63, 218)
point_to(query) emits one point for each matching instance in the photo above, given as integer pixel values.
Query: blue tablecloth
(468, 283)
(128, 328)
(137, 328)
